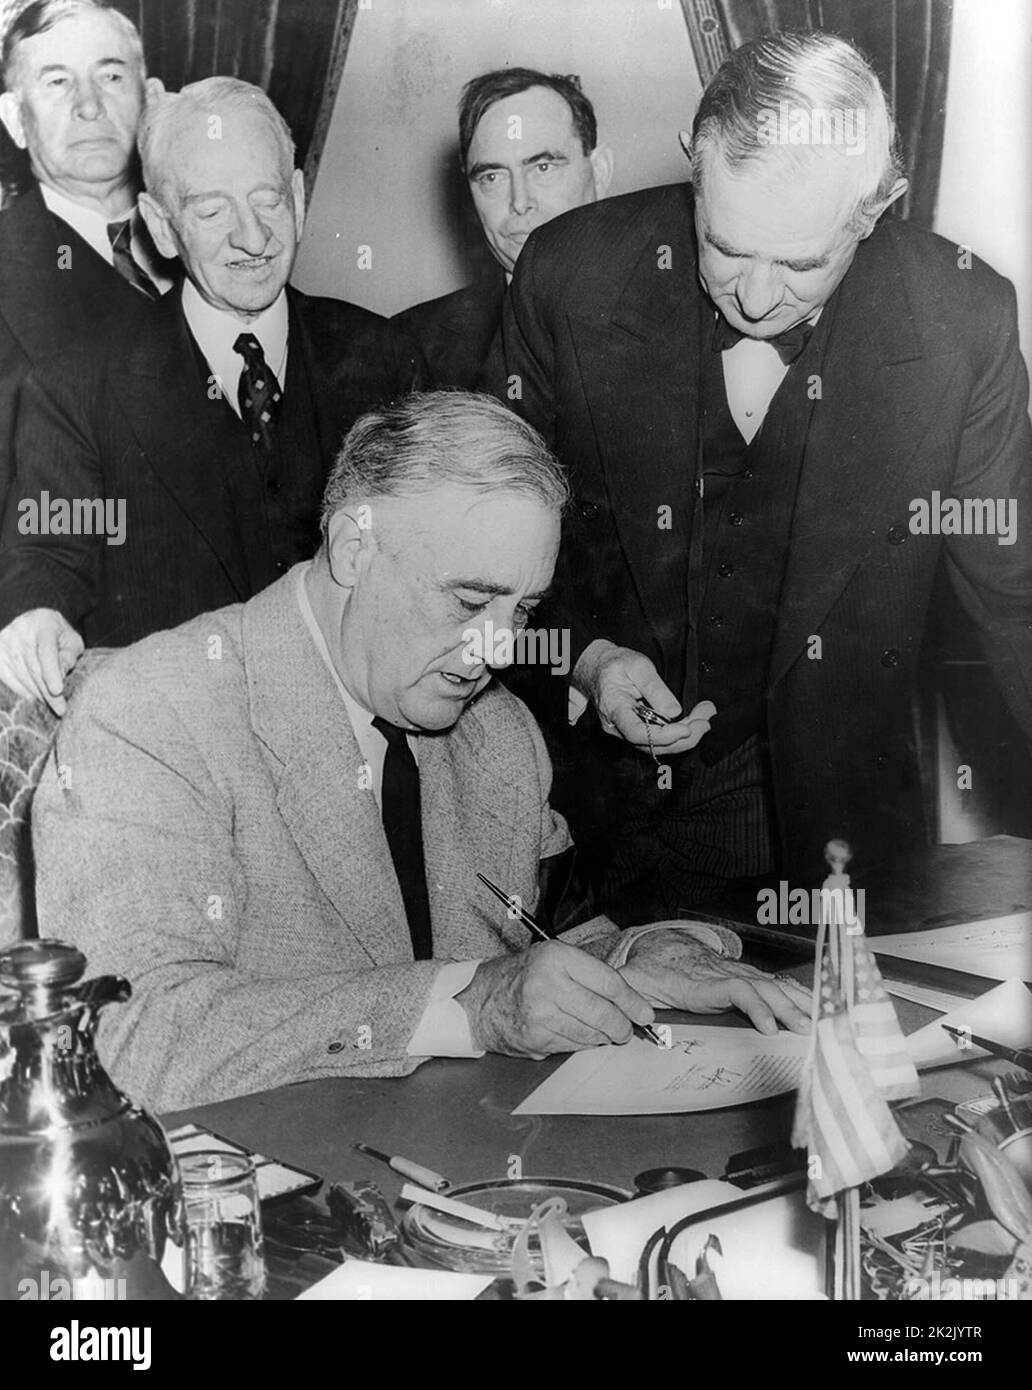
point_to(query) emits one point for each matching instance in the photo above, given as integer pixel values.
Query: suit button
(589, 511)
(897, 535)
(725, 570)
(705, 669)
(282, 566)
(716, 620)
(747, 473)
(274, 484)
(881, 761)
(335, 1047)
(890, 657)
(736, 518)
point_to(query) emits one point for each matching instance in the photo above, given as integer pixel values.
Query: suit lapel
(640, 367)
(333, 818)
(45, 301)
(875, 400)
(191, 441)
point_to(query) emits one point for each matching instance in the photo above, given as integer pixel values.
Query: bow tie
(788, 345)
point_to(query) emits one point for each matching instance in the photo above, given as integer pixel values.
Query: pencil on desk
(641, 1030)
(1020, 1056)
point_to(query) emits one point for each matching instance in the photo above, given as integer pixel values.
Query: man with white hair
(205, 432)
(277, 812)
(75, 254)
(762, 391)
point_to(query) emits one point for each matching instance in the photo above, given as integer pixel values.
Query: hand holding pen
(550, 998)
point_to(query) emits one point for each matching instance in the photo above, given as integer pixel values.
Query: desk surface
(455, 1116)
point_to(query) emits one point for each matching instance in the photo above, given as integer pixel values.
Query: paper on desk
(999, 948)
(704, 1068)
(921, 994)
(772, 1250)
(1002, 1014)
(361, 1281)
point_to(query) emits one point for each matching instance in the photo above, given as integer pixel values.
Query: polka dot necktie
(259, 393)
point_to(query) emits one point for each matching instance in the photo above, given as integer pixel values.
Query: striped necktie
(120, 235)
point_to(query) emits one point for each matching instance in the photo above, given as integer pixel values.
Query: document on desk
(704, 1068)
(1000, 948)
(1003, 1015)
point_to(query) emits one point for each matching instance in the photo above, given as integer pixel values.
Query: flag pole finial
(837, 855)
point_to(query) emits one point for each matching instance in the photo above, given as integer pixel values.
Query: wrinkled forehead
(537, 117)
(780, 204)
(78, 41)
(211, 151)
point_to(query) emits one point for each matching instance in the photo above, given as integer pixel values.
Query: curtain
(907, 42)
(293, 49)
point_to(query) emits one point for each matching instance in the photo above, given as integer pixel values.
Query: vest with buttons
(748, 497)
(277, 494)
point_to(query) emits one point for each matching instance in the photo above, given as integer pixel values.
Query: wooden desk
(455, 1116)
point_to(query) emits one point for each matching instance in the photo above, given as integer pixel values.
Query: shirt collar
(89, 222)
(216, 330)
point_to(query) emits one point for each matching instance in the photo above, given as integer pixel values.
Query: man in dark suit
(74, 253)
(764, 397)
(180, 465)
(528, 145)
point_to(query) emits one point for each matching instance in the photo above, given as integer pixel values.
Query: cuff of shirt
(720, 940)
(443, 1030)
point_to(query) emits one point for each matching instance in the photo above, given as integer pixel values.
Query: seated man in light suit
(231, 814)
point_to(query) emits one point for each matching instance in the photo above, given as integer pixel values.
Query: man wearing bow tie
(205, 430)
(752, 379)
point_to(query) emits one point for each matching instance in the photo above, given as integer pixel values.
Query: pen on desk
(641, 1030)
(1020, 1056)
(426, 1177)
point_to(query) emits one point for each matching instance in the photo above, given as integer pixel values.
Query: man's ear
(896, 191)
(297, 187)
(601, 158)
(349, 543)
(10, 114)
(153, 87)
(159, 225)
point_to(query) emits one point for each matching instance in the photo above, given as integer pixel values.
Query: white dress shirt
(215, 332)
(443, 1030)
(92, 225)
(753, 371)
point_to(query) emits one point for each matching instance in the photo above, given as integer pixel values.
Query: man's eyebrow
(488, 586)
(485, 166)
(804, 263)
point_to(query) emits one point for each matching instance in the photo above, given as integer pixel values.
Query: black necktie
(403, 825)
(259, 392)
(789, 345)
(120, 235)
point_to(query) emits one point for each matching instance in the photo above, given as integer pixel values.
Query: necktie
(120, 235)
(259, 392)
(403, 825)
(789, 345)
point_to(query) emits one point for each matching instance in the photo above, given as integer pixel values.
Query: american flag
(858, 1062)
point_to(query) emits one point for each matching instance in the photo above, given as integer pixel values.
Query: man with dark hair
(277, 811)
(761, 390)
(179, 465)
(528, 146)
(74, 253)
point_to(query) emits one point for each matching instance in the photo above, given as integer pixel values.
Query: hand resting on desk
(675, 972)
(557, 998)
